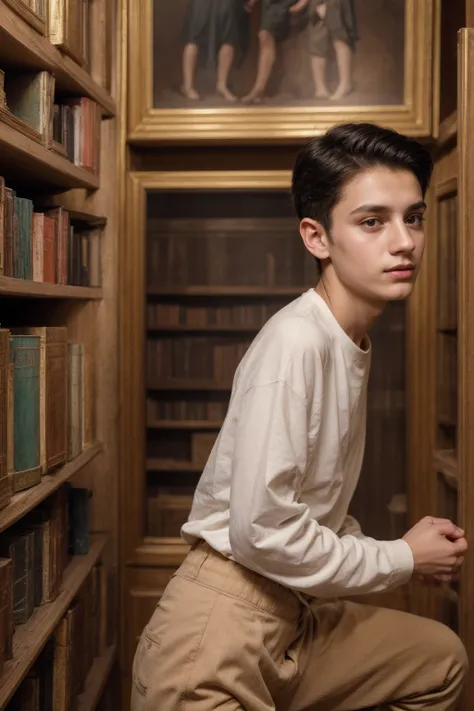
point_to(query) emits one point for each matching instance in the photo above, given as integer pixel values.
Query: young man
(254, 619)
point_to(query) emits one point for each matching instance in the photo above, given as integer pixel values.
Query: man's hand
(438, 548)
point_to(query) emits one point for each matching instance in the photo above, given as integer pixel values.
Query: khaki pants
(224, 638)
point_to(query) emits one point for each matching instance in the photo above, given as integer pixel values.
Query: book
(5, 441)
(53, 393)
(25, 388)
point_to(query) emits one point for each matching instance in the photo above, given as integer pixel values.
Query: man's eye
(415, 219)
(372, 222)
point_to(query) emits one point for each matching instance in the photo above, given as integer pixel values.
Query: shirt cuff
(403, 563)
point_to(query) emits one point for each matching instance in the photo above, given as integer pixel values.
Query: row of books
(46, 404)
(194, 357)
(43, 245)
(213, 407)
(68, 125)
(34, 555)
(212, 252)
(59, 673)
(247, 315)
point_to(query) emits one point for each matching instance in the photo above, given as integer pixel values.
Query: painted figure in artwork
(215, 35)
(332, 23)
(275, 26)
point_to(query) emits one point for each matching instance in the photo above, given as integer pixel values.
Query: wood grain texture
(466, 335)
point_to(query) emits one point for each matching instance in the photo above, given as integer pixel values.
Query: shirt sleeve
(272, 532)
(350, 526)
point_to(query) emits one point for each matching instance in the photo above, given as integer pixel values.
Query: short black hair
(329, 161)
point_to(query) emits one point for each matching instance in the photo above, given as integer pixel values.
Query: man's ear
(315, 238)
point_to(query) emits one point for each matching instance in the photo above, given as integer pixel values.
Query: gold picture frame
(262, 124)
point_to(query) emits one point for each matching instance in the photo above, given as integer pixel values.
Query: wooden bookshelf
(40, 164)
(82, 454)
(185, 424)
(244, 291)
(189, 384)
(440, 344)
(172, 465)
(25, 501)
(30, 638)
(444, 462)
(204, 329)
(22, 44)
(33, 289)
(96, 680)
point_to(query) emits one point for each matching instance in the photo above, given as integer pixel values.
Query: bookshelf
(58, 353)
(440, 347)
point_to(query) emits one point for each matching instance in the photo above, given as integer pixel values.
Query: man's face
(378, 234)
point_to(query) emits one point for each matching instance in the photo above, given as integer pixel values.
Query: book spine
(75, 398)
(5, 487)
(25, 355)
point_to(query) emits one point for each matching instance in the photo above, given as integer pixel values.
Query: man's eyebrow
(421, 204)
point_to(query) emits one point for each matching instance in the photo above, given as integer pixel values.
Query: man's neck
(353, 314)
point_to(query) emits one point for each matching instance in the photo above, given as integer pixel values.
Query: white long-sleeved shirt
(275, 491)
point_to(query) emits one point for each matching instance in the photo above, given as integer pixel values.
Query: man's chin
(400, 291)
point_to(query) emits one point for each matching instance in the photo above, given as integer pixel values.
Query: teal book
(25, 371)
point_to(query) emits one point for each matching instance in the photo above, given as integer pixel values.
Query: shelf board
(448, 129)
(25, 287)
(227, 291)
(62, 199)
(26, 500)
(30, 160)
(204, 329)
(189, 384)
(184, 424)
(172, 465)
(30, 638)
(21, 45)
(93, 220)
(444, 461)
(96, 680)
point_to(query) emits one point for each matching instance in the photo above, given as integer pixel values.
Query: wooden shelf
(30, 638)
(22, 45)
(63, 199)
(272, 291)
(31, 161)
(172, 465)
(185, 424)
(448, 129)
(204, 329)
(189, 384)
(444, 461)
(93, 220)
(25, 287)
(25, 501)
(96, 680)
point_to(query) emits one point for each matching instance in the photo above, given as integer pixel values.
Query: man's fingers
(447, 528)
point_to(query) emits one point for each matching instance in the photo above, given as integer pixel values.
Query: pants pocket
(145, 664)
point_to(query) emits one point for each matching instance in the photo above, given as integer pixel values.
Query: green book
(25, 371)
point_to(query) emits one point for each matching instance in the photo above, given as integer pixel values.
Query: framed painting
(264, 71)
